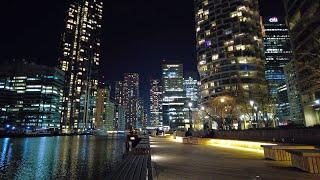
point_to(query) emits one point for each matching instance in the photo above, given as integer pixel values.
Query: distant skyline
(138, 34)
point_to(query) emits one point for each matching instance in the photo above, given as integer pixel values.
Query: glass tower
(79, 60)
(156, 103)
(277, 53)
(174, 96)
(230, 49)
(30, 96)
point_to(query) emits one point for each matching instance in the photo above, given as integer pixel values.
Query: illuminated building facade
(174, 96)
(131, 98)
(80, 61)
(277, 53)
(296, 110)
(103, 95)
(30, 96)
(140, 114)
(283, 110)
(191, 87)
(110, 115)
(120, 117)
(304, 24)
(119, 93)
(156, 103)
(230, 49)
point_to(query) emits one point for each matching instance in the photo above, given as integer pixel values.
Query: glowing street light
(222, 100)
(202, 108)
(190, 104)
(251, 102)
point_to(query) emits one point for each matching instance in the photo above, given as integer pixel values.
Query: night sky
(137, 34)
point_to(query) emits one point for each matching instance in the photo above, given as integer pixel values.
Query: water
(65, 157)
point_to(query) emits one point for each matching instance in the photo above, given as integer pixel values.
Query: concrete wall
(309, 136)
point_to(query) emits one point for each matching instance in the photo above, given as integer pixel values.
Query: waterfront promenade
(174, 160)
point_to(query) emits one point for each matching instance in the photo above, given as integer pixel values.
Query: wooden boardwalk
(173, 160)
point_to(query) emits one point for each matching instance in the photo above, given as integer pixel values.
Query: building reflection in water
(66, 157)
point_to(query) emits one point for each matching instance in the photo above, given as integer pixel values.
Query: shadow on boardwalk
(174, 160)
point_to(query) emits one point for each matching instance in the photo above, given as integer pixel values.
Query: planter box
(306, 160)
(278, 152)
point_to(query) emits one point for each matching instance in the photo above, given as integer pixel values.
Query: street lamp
(252, 116)
(190, 116)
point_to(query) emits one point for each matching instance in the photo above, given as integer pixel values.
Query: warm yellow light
(239, 145)
(177, 139)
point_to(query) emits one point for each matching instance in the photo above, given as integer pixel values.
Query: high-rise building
(79, 60)
(191, 87)
(110, 115)
(103, 96)
(131, 97)
(230, 49)
(156, 103)
(283, 110)
(140, 114)
(119, 93)
(120, 117)
(30, 96)
(277, 53)
(304, 24)
(296, 110)
(174, 96)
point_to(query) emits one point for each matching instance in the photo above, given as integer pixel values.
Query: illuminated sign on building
(273, 19)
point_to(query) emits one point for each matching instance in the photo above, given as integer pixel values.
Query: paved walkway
(173, 160)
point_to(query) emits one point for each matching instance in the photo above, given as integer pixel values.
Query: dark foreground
(174, 160)
(60, 157)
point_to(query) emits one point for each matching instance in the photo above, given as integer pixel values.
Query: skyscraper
(131, 97)
(79, 60)
(304, 24)
(191, 87)
(156, 103)
(174, 96)
(102, 98)
(277, 53)
(30, 96)
(230, 49)
(119, 93)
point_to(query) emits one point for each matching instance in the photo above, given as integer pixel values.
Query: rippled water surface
(65, 157)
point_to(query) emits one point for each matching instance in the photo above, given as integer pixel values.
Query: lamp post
(256, 118)
(252, 115)
(190, 115)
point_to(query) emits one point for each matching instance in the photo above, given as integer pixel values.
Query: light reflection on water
(65, 157)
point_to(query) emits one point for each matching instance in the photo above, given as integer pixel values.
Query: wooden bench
(186, 140)
(133, 167)
(307, 160)
(141, 149)
(278, 152)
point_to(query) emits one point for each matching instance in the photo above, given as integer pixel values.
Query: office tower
(110, 115)
(304, 24)
(156, 103)
(191, 87)
(296, 109)
(174, 97)
(79, 60)
(131, 96)
(119, 93)
(230, 50)
(30, 96)
(283, 110)
(277, 54)
(140, 114)
(120, 117)
(103, 96)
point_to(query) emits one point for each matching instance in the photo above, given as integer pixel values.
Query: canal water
(60, 157)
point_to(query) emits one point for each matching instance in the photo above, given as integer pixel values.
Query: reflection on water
(65, 157)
